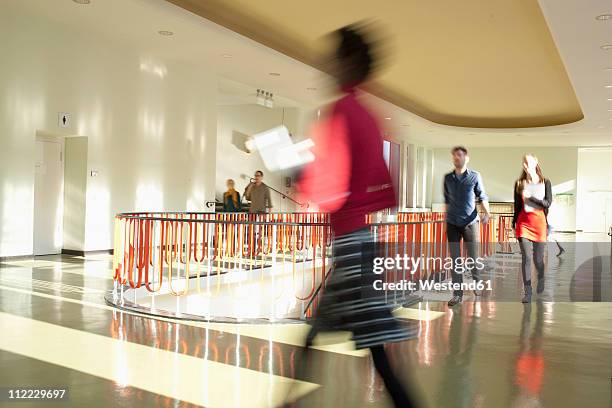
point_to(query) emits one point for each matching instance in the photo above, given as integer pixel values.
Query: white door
(48, 198)
(595, 212)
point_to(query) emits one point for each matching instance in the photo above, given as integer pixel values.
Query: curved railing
(168, 249)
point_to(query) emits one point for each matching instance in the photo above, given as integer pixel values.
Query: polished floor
(58, 331)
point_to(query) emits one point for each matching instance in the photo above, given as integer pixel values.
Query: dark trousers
(527, 249)
(469, 234)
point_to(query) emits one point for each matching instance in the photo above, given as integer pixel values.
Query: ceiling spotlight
(165, 32)
(607, 86)
(606, 47)
(387, 118)
(604, 17)
(274, 74)
(610, 99)
(82, 1)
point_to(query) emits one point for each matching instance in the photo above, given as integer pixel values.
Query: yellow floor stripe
(417, 314)
(293, 334)
(173, 375)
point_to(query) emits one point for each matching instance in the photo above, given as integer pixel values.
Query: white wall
(150, 124)
(501, 166)
(594, 203)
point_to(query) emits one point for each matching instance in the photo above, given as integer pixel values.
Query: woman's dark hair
(356, 50)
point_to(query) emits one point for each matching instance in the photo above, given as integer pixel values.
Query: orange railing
(166, 250)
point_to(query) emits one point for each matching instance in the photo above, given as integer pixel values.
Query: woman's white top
(537, 190)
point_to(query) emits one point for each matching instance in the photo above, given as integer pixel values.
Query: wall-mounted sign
(63, 119)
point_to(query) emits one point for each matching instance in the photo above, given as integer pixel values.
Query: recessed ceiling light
(311, 89)
(227, 55)
(607, 86)
(609, 110)
(165, 32)
(606, 47)
(604, 17)
(274, 74)
(610, 99)
(387, 118)
(82, 1)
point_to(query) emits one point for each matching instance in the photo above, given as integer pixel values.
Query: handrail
(283, 195)
(162, 251)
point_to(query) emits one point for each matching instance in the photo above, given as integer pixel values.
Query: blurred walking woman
(349, 179)
(532, 198)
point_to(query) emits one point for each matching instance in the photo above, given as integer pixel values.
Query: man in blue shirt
(462, 187)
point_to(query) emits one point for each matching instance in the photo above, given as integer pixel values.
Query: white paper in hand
(278, 151)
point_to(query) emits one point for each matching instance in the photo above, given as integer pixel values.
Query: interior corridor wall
(501, 166)
(594, 203)
(150, 124)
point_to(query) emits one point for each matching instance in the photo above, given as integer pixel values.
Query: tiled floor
(58, 331)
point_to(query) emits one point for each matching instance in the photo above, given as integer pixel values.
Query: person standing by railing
(258, 193)
(231, 198)
(462, 187)
(349, 179)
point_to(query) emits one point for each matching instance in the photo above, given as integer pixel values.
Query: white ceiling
(196, 41)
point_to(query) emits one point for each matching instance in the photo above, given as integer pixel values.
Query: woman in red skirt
(532, 198)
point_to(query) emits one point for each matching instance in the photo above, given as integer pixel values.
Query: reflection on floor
(57, 331)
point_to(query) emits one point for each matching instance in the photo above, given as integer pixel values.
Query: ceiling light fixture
(606, 47)
(387, 118)
(227, 55)
(311, 89)
(264, 98)
(604, 17)
(82, 1)
(607, 86)
(165, 32)
(274, 74)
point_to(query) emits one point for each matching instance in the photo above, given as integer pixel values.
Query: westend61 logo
(412, 264)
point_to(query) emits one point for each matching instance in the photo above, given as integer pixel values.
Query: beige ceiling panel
(476, 63)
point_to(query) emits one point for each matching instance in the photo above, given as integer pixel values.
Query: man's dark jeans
(470, 234)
